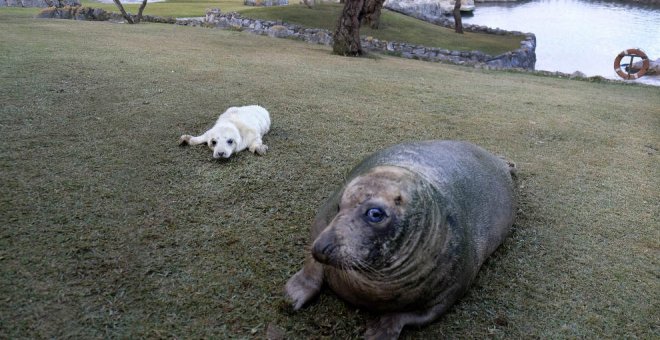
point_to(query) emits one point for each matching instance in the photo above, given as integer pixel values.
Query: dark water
(578, 35)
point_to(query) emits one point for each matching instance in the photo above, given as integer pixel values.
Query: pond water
(578, 35)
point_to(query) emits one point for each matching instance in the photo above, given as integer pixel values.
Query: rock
(448, 5)
(279, 31)
(212, 14)
(577, 74)
(654, 66)
(47, 13)
(39, 3)
(266, 3)
(419, 51)
(76, 13)
(100, 14)
(273, 332)
(428, 10)
(320, 37)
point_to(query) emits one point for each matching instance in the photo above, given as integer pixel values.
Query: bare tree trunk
(372, 13)
(347, 35)
(123, 12)
(140, 10)
(458, 21)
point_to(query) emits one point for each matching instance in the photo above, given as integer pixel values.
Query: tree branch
(139, 16)
(123, 12)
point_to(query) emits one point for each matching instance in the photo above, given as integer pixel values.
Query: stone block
(279, 31)
(266, 3)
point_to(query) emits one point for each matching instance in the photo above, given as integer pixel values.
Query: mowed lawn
(111, 230)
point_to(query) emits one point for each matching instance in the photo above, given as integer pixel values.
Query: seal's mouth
(331, 254)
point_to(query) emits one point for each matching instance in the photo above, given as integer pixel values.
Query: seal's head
(224, 141)
(370, 232)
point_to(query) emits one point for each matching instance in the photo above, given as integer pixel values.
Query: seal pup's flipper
(306, 284)
(192, 140)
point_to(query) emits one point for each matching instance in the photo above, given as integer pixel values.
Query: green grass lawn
(111, 230)
(174, 8)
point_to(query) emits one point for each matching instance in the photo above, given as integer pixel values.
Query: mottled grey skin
(408, 231)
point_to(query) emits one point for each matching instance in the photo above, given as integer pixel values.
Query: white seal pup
(406, 234)
(236, 129)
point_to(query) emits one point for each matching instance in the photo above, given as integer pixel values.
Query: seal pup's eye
(213, 142)
(375, 215)
(230, 141)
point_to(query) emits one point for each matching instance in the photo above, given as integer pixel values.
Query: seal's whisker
(359, 272)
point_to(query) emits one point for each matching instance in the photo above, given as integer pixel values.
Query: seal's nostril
(324, 248)
(322, 256)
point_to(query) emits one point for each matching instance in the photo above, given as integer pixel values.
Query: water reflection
(578, 35)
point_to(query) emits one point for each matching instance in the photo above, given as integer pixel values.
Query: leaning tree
(346, 40)
(458, 21)
(371, 11)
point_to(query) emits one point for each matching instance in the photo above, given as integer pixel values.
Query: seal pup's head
(224, 141)
(371, 232)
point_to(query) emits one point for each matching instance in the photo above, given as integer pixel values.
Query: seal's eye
(375, 215)
(230, 141)
(213, 142)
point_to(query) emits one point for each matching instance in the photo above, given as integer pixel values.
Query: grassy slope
(111, 230)
(394, 26)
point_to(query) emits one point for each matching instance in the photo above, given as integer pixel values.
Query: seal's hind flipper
(512, 168)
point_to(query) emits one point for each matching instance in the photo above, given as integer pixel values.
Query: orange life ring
(633, 52)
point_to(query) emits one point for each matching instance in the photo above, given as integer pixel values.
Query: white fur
(237, 129)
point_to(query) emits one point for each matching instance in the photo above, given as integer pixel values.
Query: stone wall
(38, 3)
(95, 14)
(522, 58)
(74, 13)
(278, 29)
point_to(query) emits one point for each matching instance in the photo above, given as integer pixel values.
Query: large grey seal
(408, 231)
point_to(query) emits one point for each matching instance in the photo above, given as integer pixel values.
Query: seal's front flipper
(305, 284)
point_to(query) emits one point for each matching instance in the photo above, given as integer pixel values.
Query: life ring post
(632, 53)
